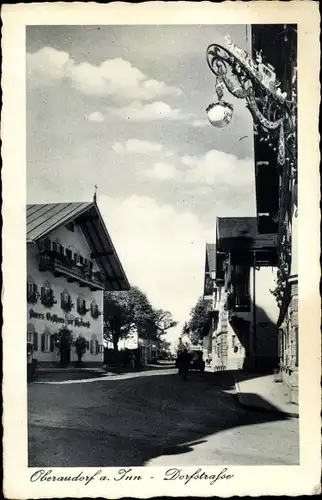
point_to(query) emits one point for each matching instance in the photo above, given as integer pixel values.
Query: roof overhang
(102, 248)
(90, 221)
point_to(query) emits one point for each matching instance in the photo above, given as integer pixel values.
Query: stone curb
(260, 408)
(107, 377)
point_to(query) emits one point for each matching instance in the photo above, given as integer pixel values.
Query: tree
(199, 323)
(124, 311)
(163, 321)
(164, 349)
(80, 346)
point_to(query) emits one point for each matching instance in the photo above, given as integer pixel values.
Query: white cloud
(112, 77)
(47, 66)
(96, 116)
(139, 112)
(219, 169)
(161, 171)
(161, 249)
(214, 169)
(137, 146)
(198, 123)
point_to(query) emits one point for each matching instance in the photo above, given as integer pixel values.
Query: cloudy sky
(123, 107)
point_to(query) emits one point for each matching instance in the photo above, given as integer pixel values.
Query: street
(155, 420)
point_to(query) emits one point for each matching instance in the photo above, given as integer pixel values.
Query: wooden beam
(87, 218)
(97, 255)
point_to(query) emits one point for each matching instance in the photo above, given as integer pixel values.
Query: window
(68, 254)
(94, 346)
(81, 306)
(56, 246)
(94, 309)
(47, 295)
(32, 292)
(77, 258)
(47, 343)
(65, 301)
(30, 331)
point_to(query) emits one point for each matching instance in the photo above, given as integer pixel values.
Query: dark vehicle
(197, 362)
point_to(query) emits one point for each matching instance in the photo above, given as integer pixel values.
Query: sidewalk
(261, 392)
(77, 375)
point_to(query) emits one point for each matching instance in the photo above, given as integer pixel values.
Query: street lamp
(273, 113)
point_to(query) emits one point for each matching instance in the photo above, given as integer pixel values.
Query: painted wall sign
(59, 319)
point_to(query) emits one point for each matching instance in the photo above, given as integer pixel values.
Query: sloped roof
(210, 257)
(42, 219)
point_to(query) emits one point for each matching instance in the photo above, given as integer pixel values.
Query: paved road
(153, 420)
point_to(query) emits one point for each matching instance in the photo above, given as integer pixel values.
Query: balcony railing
(238, 303)
(63, 266)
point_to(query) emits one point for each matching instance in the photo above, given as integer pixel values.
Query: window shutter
(62, 302)
(42, 292)
(35, 288)
(35, 341)
(91, 347)
(87, 344)
(43, 342)
(97, 347)
(52, 343)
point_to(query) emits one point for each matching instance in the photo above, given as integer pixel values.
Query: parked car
(197, 362)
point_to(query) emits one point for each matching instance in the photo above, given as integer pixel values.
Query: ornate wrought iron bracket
(245, 78)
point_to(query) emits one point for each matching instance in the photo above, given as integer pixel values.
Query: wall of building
(289, 332)
(44, 320)
(265, 334)
(238, 344)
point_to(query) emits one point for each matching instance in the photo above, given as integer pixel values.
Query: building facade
(276, 196)
(70, 262)
(244, 334)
